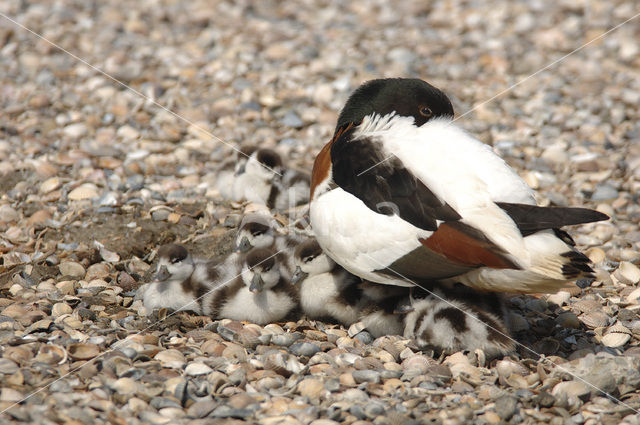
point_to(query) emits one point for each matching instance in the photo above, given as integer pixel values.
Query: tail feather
(532, 218)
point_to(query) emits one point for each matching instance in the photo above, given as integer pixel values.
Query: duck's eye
(426, 112)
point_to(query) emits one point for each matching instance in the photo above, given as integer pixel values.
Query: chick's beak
(298, 275)
(244, 245)
(162, 274)
(256, 283)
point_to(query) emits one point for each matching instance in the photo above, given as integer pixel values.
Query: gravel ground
(94, 177)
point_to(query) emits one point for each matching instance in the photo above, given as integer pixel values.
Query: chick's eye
(266, 269)
(308, 259)
(426, 112)
(175, 260)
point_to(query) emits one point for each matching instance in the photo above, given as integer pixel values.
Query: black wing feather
(532, 218)
(390, 188)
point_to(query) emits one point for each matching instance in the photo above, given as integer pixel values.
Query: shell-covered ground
(95, 175)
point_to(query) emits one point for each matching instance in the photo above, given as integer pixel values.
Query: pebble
(303, 349)
(81, 351)
(312, 388)
(361, 376)
(506, 406)
(72, 269)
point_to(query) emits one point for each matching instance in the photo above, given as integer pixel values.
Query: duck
(327, 291)
(447, 324)
(401, 195)
(259, 295)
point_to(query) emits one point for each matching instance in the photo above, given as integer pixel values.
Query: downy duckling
(382, 308)
(255, 182)
(230, 169)
(258, 231)
(292, 189)
(173, 285)
(260, 294)
(447, 325)
(327, 291)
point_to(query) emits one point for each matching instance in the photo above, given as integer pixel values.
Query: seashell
(418, 362)
(355, 329)
(595, 319)
(197, 368)
(83, 351)
(586, 306)
(171, 358)
(506, 367)
(59, 309)
(616, 336)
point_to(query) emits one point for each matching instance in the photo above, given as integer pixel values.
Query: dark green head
(408, 97)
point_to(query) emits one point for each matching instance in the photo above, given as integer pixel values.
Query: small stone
(125, 386)
(544, 399)
(577, 389)
(195, 369)
(627, 273)
(284, 340)
(291, 119)
(304, 349)
(8, 367)
(560, 298)
(506, 406)
(568, 320)
(604, 192)
(311, 388)
(75, 130)
(83, 351)
(201, 409)
(8, 214)
(72, 269)
(361, 376)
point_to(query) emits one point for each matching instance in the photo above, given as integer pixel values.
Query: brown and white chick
(327, 291)
(259, 231)
(447, 322)
(254, 183)
(175, 284)
(260, 294)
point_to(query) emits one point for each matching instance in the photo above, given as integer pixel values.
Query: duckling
(382, 307)
(258, 231)
(229, 170)
(327, 291)
(254, 183)
(445, 324)
(292, 189)
(173, 285)
(260, 294)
